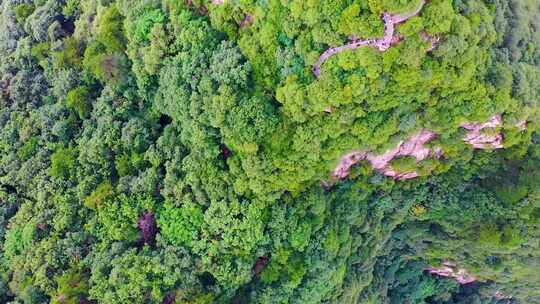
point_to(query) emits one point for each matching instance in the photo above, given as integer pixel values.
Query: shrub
(28, 149)
(63, 162)
(71, 7)
(180, 226)
(78, 100)
(22, 11)
(100, 195)
(72, 287)
(41, 50)
(144, 24)
(70, 55)
(110, 30)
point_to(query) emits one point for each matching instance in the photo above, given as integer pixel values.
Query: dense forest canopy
(269, 151)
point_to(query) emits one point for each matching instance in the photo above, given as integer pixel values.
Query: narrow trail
(382, 44)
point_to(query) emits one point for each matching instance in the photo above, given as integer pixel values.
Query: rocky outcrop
(433, 40)
(382, 44)
(476, 136)
(247, 21)
(522, 125)
(414, 146)
(499, 295)
(450, 270)
(346, 162)
(479, 139)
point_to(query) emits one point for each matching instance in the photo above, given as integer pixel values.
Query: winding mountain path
(382, 44)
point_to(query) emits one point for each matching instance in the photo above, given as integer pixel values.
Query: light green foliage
(17, 240)
(104, 57)
(365, 25)
(63, 162)
(103, 193)
(72, 286)
(300, 237)
(438, 16)
(117, 217)
(41, 50)
(489, 234)
(404, 164)
(71, 8)
(279, 260)
(123, 165)
(78, 100)
(180, 225)
(93, 57)
(22, 11)
(110, 30)
(29, 148)
(144, 276)
(145, 23)
(103, 66)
